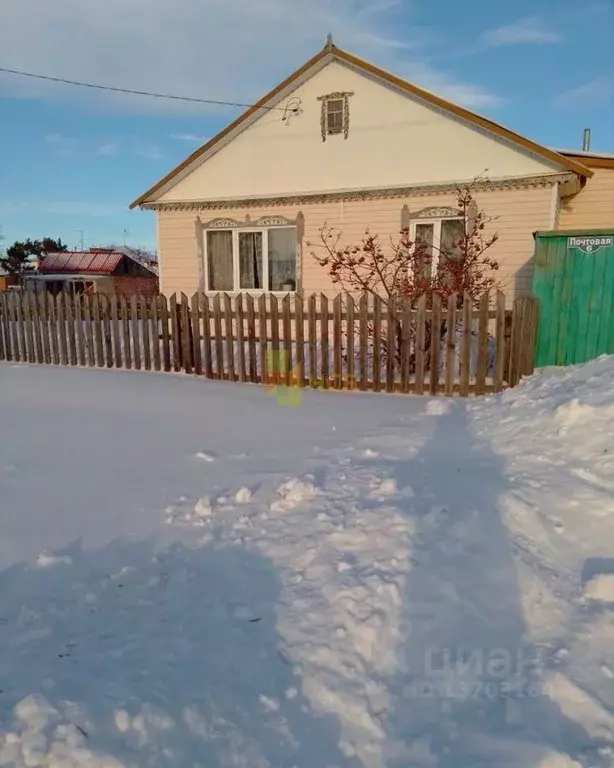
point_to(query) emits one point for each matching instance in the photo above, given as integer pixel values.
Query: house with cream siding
(345, 144)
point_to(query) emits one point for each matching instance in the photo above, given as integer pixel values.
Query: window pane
(250, 260)
(219, 261)
(452, 230)
(282, 259)
(424, 247)
(334, 112)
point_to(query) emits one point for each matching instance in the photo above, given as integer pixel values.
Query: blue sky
(71, 160)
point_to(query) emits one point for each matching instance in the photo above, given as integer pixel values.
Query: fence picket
(240, 337)
(420, 342)
(251, 339)
(166, 341)
(207, 350)
(313, 341)
(7, 322)
(136, 336)
(81, 351)
(196, 339)
(36, 325)
(349, 338)
(23, 352)
(450, 344)
(115, 336)
(391, 343)
(89, 337)
(106, 330)
(174, 311)
(155, 333)
(514, 351)
(217, 329)
(482, 362)
(125, 321)
(185, 333)
(144, 305)
(405, 343)
(29, 323)
(465, 361)
(61, 328)
(97, 330)
(228, 330)
(324, 340)
(29, 329)
(69, 309)
(337, 351)
(275, 366)
(300, 341)
(286, 312)
(230, 352)
(262, 339)
(377, 343)
(434, 342)
(363, 339)
(2, 331)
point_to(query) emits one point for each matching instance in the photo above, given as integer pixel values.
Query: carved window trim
(262, 222)
(435, 212)
(343, 96)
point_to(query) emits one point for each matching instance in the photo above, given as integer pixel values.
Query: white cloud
(108, 148)
(190, 137)
(229, 50)
(470, 96)
(64, 146)
(596, 91)
(149, 152)
(62, 208)
(527, 31)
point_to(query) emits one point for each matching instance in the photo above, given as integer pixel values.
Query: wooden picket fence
(340, 344)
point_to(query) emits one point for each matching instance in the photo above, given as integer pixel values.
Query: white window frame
(437, 224)
(236, 277)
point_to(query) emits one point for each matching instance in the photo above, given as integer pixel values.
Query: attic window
(335, 115)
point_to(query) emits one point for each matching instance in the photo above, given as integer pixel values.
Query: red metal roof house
(99, 270)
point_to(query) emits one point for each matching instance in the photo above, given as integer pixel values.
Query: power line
(129, 91)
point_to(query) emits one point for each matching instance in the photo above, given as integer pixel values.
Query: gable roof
(332, 53)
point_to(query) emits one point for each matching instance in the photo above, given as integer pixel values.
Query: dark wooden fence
(452, 347)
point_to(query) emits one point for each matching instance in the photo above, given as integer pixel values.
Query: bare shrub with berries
(403, 270)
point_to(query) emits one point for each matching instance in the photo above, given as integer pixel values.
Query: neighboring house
(344, 143)
(99, 270)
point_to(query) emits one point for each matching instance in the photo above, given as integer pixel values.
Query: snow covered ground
(192, 575)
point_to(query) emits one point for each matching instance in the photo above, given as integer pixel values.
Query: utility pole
(126, 235)
(81, 240)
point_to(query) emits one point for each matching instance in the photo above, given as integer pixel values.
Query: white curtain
(219, 261)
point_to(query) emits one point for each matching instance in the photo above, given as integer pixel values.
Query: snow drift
(194, 575)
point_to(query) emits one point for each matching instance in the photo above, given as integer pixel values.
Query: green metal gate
(574, 281)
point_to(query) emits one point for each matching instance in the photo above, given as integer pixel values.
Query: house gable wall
(393, 140)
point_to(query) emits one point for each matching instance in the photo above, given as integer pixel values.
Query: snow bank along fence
(456, 346)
